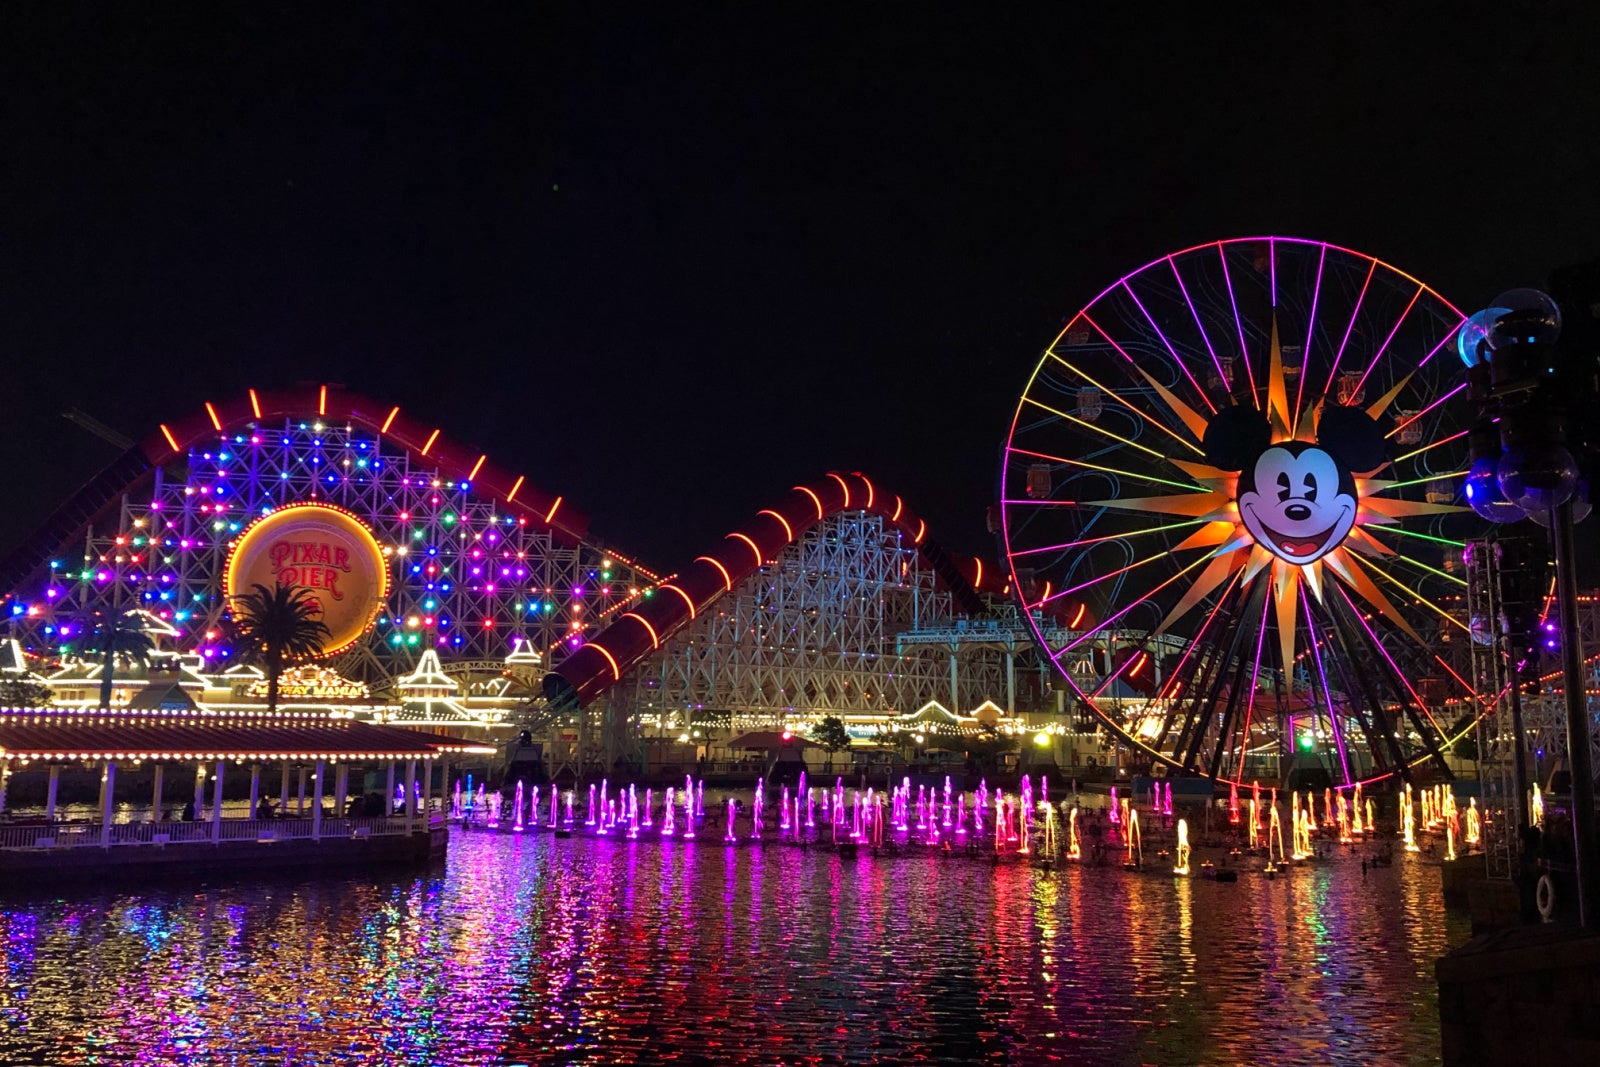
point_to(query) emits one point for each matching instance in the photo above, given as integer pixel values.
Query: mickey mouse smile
(1298, 545)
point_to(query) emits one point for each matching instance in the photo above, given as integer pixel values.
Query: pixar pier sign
(322, 549)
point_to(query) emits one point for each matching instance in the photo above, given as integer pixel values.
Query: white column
(50, 795)
(316, 808)
(199, 792)
(155, 792)
(388, 793)
(427, 788)
(108, 784)
(300, 803)
(411, 785)
(341, 789)
(255, 789)
(283, 793)
(955, 692)
(216, 804)
(1011, 685)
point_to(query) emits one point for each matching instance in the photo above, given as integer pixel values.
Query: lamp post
(1521, 467)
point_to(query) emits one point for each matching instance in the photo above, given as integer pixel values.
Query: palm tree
(122, 637)
(278, 624)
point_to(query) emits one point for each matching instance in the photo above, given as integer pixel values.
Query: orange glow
(432, 437)
(871, 492)
(727, 579)
(815, 499)
(173, 441)
(1076, 619)
(788, 531)
(978, 578)
(616, 671)
(550, 515)
(476, 467)
(898, 507)
(213, 413)
(686, 598)
(513, 494)
(255, 403)
(1137, 667)
(390, 420)
(753, 546)
(322, 401)
(842, 485)
(655, 639)
(922, 528)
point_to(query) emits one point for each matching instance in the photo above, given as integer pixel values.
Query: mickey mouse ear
(1353, 437)
(1235, 436)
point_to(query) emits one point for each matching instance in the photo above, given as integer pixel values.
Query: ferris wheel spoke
(1355, 313)
(1376, 356)
(1143, 476)
(1093, 428)
(1119, 398)
(1238, 323)
(1119, 536)
(1107, 623)
(1311, 329)
(1173, 352)
(1200, 327)
(1316, 652)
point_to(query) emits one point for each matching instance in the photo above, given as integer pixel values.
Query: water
(525, 949)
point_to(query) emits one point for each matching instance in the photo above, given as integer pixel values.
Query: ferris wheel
(1231, 506)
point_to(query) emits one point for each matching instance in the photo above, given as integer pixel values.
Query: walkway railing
(73, 835)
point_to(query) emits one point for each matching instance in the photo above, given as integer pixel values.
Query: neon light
(1108, 537)
(550, 515)
(173, 441)
(978, 580)
(1215, 362)
(922, 528)
(255, 403)
(517, 485)
(1077, 618)
(897, 507)
(1398, 323)
(476, 467)
(1311, 325)
(1093, 427)
(655, 639)
(616, 671)
(1171, 351)
(1191, 487)
(815, 499)
(727, 579)
(1114, 395)
(842, 485)
(1436, 444)
(322, 401)
(753, 547)
(216, 422)
(871, 492)
(1334, 372)
(788, 531)
(390, 420)
(434, 436)
(1402, 425)
(1244, 353)
(686, 598)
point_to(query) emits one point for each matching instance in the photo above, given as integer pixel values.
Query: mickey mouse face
(1297, 502)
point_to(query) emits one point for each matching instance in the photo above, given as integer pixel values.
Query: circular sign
(324, 550)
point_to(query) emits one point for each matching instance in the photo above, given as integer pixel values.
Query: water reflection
(530, 950)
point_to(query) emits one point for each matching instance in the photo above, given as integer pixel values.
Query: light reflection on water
(531, 950)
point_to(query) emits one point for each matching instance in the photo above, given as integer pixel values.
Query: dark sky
(669, 264)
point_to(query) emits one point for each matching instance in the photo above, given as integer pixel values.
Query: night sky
(668, 265)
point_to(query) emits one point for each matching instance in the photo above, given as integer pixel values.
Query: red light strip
(216, 422)
(753, 546)
(476, 467)
(842, 485)
(432, 437)
(655, 639)
(727, 579)
(871, 492)
(815, 499)
(390, 420)
(686, 598)
(978, 580)
(788, 531)
(616, 671)
(922, 528)
(550, 515)
(255, 403)
(173, 441)
(513, 494)
(322, 401)
(899, 506)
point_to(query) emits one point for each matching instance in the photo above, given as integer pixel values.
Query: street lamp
(1521, 466)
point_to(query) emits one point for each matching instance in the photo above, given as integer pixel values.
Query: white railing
(68, 835)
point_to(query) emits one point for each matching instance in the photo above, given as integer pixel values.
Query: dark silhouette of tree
(25, 693)
(831, 735)
(276, 626)
(121, 637)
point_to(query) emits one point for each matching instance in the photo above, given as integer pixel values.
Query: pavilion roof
(185, 735)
